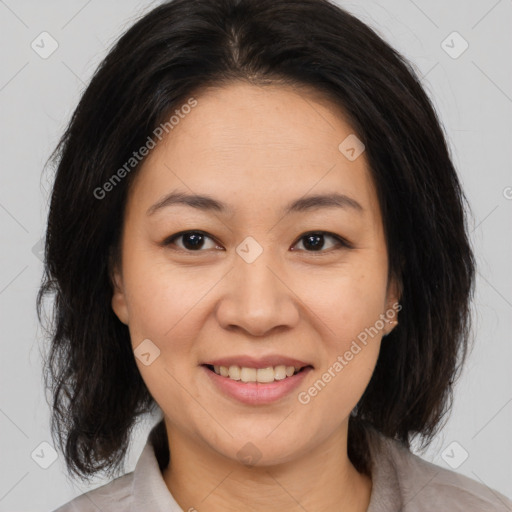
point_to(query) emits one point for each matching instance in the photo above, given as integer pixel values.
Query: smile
(262, 383)
(261, 375)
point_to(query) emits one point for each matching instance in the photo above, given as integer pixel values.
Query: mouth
(263, 375)
(256, 382)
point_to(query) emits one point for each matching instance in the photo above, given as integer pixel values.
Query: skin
(255, 148)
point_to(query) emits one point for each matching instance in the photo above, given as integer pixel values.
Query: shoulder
(423, 486)
(427, 486)
(115, 496)
(142, 489)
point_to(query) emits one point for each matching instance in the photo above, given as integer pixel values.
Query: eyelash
(342, 242)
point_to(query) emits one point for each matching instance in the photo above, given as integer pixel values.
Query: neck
(200, 478)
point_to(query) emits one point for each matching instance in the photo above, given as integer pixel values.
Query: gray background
(473, 95)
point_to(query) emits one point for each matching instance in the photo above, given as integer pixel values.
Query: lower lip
(256, 393)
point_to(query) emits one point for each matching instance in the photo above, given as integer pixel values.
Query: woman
(256, 229)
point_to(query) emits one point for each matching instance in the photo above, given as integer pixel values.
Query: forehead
(261, 145)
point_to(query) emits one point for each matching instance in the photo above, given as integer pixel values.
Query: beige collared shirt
(401, 481)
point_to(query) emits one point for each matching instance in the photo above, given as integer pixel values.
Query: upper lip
(258, 362)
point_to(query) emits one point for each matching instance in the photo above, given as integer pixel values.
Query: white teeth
(280, 372)
(248, 374)
(234, 372)
(263, 375)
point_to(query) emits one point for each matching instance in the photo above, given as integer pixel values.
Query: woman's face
(255, 288)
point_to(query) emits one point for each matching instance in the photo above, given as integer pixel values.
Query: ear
(119, 302)
(392, 305)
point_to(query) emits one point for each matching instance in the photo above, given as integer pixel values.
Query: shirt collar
(385, 493)
(149, 489)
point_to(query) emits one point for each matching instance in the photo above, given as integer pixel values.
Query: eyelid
(341, 241)
(170, 239)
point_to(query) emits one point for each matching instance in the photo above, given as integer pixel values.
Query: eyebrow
(303, 204)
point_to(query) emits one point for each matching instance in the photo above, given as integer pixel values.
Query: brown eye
(192, 241)
(315, 241)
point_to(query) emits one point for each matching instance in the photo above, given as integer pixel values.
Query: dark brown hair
(172, 53)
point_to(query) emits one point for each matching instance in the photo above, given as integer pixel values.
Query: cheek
(167, 307)
(349, 305)
(348, 300)
(160, 296)
(351, 332)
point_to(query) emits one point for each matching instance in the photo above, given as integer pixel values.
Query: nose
(257, 298)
